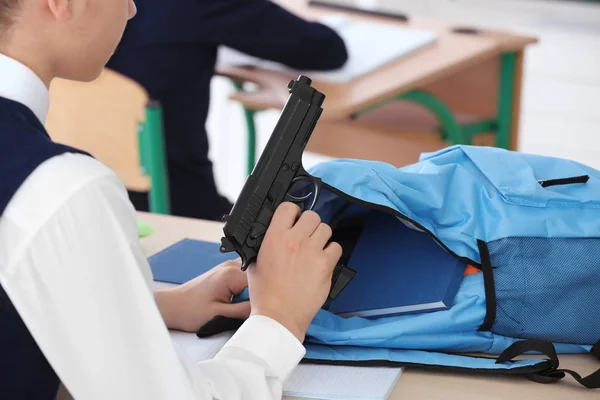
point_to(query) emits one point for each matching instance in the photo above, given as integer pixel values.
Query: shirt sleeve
(82, 286)
(263, 29)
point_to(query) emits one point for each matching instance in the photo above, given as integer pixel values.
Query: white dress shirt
(71, 262)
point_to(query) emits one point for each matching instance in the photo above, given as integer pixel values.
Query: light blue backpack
(530, 223)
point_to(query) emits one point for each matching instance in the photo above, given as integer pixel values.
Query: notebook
(323, 382)
(399, 270)
(370, 46)
(187, 259)
(337, 382)
(190, 258)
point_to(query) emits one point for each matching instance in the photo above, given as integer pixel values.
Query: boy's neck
(31, 57)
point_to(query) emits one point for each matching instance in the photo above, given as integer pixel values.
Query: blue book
(186, 260)
(399, 270)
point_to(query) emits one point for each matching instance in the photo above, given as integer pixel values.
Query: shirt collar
(21, 84)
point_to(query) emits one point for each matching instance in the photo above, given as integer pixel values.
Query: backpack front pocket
(547, 288)
(535, 181)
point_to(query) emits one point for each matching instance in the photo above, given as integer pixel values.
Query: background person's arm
(82, 287)
(263, 29)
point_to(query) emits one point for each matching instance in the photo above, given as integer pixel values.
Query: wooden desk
(413, 384)
(475, 75)
(381, 141)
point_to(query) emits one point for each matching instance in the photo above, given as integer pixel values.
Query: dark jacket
(170, 48)
(257, 27)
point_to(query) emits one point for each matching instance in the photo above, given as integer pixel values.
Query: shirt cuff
(270, 341)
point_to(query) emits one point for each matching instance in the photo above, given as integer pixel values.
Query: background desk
(471, 84)
(413, 384)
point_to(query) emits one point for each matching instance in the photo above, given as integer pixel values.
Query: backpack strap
(490, 289)
(553, 374)
(596, 350)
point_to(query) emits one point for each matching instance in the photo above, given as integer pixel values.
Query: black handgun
(277, 171)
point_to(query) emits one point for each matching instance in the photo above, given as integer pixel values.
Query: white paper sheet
(370, 46)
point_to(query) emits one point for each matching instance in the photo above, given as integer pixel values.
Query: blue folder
(399, 270)
(186, 260)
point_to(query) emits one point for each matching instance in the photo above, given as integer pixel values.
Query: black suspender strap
(596, 350)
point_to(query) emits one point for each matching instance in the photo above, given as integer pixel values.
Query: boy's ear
(62, 10)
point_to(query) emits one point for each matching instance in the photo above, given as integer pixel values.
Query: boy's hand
(292, 276)
(191, 305)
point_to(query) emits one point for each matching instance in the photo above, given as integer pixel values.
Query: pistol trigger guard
(295, 199)
(315, 193)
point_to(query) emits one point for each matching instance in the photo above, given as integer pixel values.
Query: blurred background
(529, 69)
(560, 109)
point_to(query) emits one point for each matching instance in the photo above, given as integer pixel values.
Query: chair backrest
(102, 117)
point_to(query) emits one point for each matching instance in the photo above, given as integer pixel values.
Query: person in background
(170, 48)
(76, 298)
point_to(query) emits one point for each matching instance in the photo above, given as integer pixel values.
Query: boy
(75, 289)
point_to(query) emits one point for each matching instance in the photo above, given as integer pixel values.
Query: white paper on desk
(327, 382)
(322, 382)
(370, 46)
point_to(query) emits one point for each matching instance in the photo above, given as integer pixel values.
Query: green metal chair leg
(450, 127)
(474, 128)
(250, 129)
(452, 130)
(153, 159)
(505, 98)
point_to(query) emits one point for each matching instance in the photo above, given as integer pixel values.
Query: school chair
(114, 120)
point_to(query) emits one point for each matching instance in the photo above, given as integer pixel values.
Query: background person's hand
(191, 305)
(292, 276)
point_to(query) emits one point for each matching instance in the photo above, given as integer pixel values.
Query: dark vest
(24, 144)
